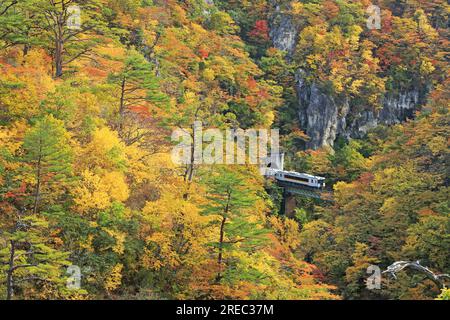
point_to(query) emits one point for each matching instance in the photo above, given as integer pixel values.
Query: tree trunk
(190, 172)
(38, 186)
(58, 59)
(222, 237)
(220, 258)
(122, 105)
(26, 49)
(59, 48)
(9, 273)
(190, 168)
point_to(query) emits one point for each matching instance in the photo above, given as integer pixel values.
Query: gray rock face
(283, 32)
(323, 117)
(319, 114)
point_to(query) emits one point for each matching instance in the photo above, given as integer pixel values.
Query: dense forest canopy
(93, 207)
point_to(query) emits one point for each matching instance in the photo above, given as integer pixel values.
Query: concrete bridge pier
(289, 204)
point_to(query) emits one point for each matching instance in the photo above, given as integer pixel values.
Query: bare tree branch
(8, 6)
(399, 266)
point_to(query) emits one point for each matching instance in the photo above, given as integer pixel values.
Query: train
(303, 179)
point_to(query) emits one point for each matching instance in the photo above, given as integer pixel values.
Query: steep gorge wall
(323, 117)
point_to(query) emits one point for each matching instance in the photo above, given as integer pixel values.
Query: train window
(297, 178)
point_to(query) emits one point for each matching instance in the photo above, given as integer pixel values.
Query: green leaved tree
(26, 256)
(12, 23)
(138, 91)
(70, 28)
(48, 159)
(231, 200)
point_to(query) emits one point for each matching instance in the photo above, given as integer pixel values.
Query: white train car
(303, 179)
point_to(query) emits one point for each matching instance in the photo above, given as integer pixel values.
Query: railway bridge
(294, 184)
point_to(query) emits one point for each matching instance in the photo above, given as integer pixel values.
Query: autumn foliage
(87, 179)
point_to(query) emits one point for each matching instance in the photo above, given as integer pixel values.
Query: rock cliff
(324, 118)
